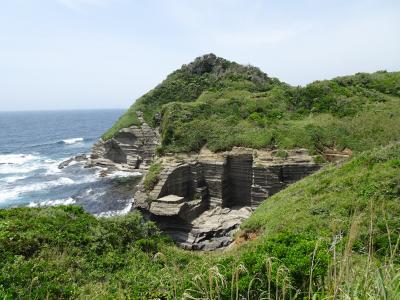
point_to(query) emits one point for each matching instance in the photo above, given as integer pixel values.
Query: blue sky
(74, 54)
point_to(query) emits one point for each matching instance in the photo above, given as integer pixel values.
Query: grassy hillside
(333, 234)
(222, 104)
(356, 112)
(189, 82)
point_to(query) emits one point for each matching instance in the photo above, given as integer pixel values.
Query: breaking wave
(11, 164)
(15, 192)
(16, 159)
(72, 141)
(12, 179)
(18, 163)
(112, 213)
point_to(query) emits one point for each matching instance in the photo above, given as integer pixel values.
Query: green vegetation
(334, 234)
(366, 187)
(281, 154)
(319, 116)
(222, 104)
(64, 252)
(151, 178)
(189, 82)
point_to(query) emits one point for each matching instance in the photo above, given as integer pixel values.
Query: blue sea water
(33, 144)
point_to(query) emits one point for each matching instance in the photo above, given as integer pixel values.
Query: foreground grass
(336, 233)
(332, 235)
(64, 252)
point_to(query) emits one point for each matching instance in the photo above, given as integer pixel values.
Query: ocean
(33, 144)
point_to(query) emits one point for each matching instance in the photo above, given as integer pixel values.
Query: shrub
(151, 178)
(281, 154)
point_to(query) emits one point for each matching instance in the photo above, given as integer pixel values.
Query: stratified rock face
(240, 179)
(201, 200)
(131, 148)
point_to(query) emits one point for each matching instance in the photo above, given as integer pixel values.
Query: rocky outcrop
(77, 158)
(131, 148)
(200, 200)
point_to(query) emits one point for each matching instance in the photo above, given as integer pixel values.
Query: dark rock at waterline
(78, 158)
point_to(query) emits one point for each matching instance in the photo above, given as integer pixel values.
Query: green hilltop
(222, 104)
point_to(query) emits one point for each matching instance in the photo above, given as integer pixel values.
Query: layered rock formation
(200, 200)
(131, 148)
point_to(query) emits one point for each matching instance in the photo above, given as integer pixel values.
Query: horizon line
(62, 109)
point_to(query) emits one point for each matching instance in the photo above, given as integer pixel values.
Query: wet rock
(78, 158)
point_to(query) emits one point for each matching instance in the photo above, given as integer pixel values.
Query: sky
(93, 54)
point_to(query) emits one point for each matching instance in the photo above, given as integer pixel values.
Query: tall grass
(349, 276)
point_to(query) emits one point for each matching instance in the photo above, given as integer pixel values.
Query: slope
(333, 234)
(220, 104)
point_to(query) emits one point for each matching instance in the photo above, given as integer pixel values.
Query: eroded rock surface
(200, 200)
(77, 158)
(131, 148)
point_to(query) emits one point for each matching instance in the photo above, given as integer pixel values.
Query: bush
(281, 154)
(151, 178)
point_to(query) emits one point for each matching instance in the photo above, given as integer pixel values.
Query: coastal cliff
(221, 147)
(216, 138)
(201, 199)
(130, 149)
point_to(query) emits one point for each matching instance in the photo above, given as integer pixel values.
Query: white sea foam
(56, 202)
(90, 192)
(8, 194)
(73, 141)
(13, 193)
(18, 163)
(112, 213)
(89, 178)
(64, 181)
(33, 164)
(17, 169)
(16, 159)
(73, 163)
(52, 166)
(12, 179)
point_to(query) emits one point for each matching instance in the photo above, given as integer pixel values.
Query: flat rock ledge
(215, 228)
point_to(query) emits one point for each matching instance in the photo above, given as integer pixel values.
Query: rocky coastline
(200, 199)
